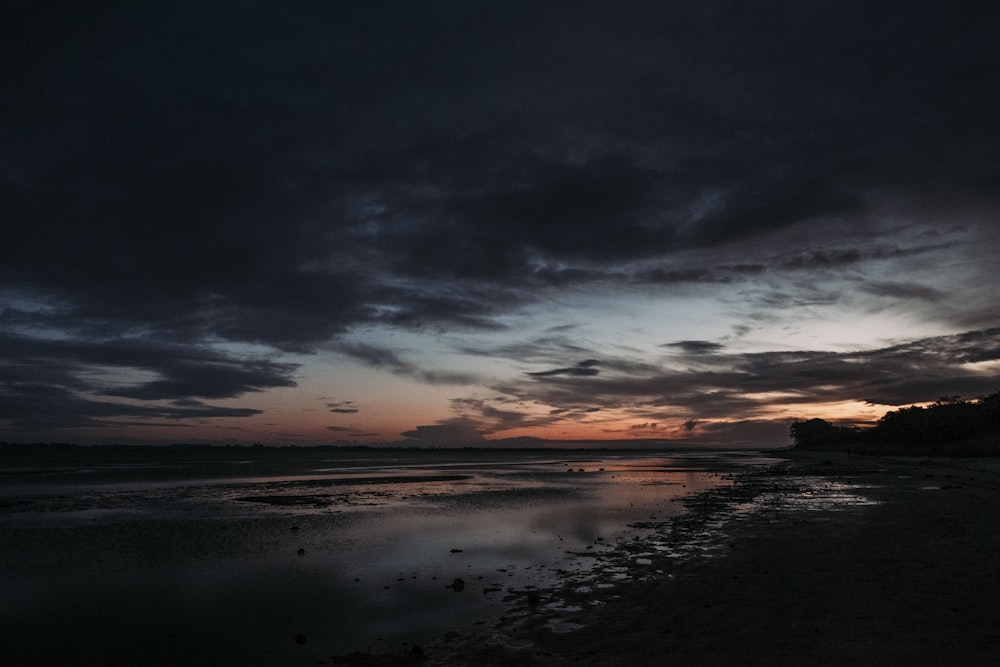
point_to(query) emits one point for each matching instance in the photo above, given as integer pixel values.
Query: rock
(458, 585)
(301, 552)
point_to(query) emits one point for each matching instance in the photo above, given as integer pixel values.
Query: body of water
(258, 556)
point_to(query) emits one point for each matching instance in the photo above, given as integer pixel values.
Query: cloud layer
(199, 197)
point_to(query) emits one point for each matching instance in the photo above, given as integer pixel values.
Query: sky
(456, 223)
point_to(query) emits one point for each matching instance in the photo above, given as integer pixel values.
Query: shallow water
(291, 559)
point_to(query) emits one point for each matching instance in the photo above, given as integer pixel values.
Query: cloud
(43, 409)
(645, 426)
(290, 180)
(181, 370)
(586, 368)
(221, 378)
(384, 358)
(696, 347)
(54, 383)
(838, 256)
(342, 407)
(550, 210)
(541, 349)
(896, 290)
(224, 163)
(455, 433)
(272, 212)
(747, 386)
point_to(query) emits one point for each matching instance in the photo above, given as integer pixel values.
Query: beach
(294, 556)
(908, 572)
(486, 558)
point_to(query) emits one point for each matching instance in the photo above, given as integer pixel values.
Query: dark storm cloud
(548, 211)
(444, 307)
(198, 174)
(210, 161)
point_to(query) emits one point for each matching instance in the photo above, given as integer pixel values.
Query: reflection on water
(157, 562)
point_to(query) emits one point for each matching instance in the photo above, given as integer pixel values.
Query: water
(262, 556)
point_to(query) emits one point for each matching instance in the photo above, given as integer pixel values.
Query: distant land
(950, 426)
(525, 443)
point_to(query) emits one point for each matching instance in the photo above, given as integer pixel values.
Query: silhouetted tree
(950, 425)
(819, 433)
(948, 420)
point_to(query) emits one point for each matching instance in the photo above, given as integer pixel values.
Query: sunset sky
(443, 222)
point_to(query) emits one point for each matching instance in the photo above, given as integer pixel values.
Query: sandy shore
(793, 566)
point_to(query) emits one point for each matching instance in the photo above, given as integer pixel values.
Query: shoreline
(826, 559)
(232, 564)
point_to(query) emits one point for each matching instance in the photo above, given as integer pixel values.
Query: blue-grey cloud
(386, 359)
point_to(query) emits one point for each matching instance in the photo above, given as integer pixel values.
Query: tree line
(949, 426)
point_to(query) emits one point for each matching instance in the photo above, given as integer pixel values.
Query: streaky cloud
(384, 358)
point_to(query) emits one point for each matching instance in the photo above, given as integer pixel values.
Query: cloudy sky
(444, 222)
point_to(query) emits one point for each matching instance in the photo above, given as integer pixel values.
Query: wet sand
(220, 557)
(821, 559)
(796, 566)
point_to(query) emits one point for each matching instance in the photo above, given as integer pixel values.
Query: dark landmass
(950, 426)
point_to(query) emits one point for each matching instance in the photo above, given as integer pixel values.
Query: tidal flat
(263, 557)
(824, 559)
(498, 558)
